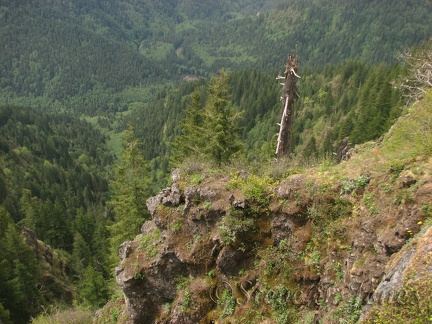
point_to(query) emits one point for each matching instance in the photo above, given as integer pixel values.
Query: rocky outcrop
(54, 267)
(215, 250)
(148, 282)
(411, 265)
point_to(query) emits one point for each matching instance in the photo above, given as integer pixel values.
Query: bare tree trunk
(419, 78)
(288, 99)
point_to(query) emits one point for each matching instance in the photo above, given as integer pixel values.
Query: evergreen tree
(191, 141)
(213, 131)
(81, 255)
(29, 206)
(84, 224)
(19, 298)
(311, 151)
(56, 229)
(93, 288)
(221, 122)
(130, 190)
(100, 248)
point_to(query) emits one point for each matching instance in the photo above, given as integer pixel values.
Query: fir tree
(19, 297)
(130, 189)
(191, 141)
(211, 132)
(93, 288)
(221, 123)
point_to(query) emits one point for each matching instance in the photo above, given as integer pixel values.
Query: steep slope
(53, 189)
(318, 244)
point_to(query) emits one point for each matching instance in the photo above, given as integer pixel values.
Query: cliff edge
(349, 242)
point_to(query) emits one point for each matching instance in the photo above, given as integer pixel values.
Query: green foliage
(182, 282)
(93, 288)
(130, 188)
(51, 170)
(112, 311)
(191, 141)
(255, 190)
(324, 212)
(147, 243)
(81, 254)
(412, 136)
(426, 211)
(109, 40)
(412, 305)
(279, 304)
(19, 275)
(351, 185)
(277, 260)
(196, 179)
(42, 48)
(233, 225)
(56, 185)
(332, 101)
(211, 131)
(89, 59)
(177, 226)
(187, 301)
(337, 268)
(60, 316)
(227, 302)
(369, 201)
(349, 312)
(222, 122)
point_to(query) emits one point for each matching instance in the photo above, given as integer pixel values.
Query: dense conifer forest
(100, 100)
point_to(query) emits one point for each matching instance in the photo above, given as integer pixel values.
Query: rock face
(227, 248)
(412, 264)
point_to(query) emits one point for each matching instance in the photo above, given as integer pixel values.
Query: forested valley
(100, 101)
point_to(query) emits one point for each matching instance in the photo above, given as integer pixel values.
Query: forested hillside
(353, 99)
(54, 187)
(100, 100)
(95, 57)
(82, 54)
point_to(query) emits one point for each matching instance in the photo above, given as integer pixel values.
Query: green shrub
(323, 213)
(369, 202)
(227, 302)
(426, 211)
(276, 260)
(255, 190)
(233, 224)
(177, 226)
(196, 179)
(187, 301)
(147, 243)
(348, 313)
(351, 185)
(182, 282)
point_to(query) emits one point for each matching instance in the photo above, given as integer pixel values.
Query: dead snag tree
(288, 99)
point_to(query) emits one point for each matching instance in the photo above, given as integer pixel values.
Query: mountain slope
(53, 189)
(84, 53)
